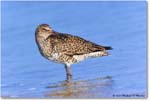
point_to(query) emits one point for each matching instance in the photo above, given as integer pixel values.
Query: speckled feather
(72, 45)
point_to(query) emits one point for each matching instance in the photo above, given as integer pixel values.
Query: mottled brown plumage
(66, 48)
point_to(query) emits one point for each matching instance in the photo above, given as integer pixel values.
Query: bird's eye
(44, 29)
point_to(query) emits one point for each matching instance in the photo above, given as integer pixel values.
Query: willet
(65, 48)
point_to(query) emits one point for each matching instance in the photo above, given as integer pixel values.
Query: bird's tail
(108, 48)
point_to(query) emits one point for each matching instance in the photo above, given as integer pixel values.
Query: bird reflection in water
(79, 89)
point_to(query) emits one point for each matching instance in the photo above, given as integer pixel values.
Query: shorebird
(65, 48)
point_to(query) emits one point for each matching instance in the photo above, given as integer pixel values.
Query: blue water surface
(121, 25)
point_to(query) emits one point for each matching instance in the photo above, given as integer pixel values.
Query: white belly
(85, 56)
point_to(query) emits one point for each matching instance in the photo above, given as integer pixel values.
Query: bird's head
(44, 30)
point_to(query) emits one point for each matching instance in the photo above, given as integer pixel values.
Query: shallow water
(122, 25)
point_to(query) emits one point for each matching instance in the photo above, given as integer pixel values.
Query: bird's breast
(45, 49)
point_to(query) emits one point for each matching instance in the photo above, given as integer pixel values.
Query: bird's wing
(73, 45)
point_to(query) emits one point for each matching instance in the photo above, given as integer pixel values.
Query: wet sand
(79, 89)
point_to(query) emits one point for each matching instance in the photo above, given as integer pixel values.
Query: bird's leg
(68, 73)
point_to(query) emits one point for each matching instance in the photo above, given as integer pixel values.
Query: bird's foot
(68, 81)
